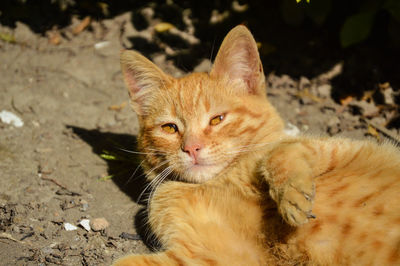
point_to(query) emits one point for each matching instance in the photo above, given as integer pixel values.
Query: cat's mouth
(200, 166)
(201, 172)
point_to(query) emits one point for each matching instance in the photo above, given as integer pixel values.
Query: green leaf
(105, 178)
(393, 6)
(7, 37)
(319, 10)
(108, 157)
(356, 28)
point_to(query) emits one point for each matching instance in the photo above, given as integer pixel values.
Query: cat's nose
(192, 149)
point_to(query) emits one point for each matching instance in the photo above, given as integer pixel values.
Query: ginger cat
(217, 132)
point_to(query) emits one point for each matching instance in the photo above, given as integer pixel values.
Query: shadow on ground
(121, 169)
(133, 184)
(297, 48)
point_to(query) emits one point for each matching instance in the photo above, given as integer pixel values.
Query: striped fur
(252, 196)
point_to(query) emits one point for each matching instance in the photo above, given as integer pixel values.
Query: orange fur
(338, 198)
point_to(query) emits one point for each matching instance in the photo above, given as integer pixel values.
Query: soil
(68, 90)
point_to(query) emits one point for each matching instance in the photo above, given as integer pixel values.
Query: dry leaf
(104, 8)
(367, 109)
(306, 94)
(384, 86)
(346, 100)
(236, 6)
(55, 38)
(373, 132)
(163, 26)
(117, 107)
(388, 96)
(367, 96)
(83, 25)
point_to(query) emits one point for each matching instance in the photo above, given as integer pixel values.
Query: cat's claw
(296, 201)
(311, 215)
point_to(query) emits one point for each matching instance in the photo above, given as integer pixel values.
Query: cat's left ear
(143, 79)
(238, 59)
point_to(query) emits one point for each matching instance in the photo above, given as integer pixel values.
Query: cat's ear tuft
(238, 58)
(142, 78)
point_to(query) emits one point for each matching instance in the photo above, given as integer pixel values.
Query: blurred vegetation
(295, 37)
(356, 26)
(356, 18)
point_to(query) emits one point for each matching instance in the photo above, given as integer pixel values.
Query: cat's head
(195, 126)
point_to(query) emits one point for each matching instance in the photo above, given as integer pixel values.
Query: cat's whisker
(134, 172)
(138, 152)
(156, 167)
(155, 150)
(148, 185)
(161, 179)
(154, 181)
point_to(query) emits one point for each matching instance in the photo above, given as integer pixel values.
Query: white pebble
(70, 227)
(101, 45)
(10, 118)
(291, 130)
(85, 223)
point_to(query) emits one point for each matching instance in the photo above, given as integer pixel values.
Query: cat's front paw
(294, 194)
(295, 201)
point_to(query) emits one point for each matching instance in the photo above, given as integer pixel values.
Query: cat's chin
(199, 173)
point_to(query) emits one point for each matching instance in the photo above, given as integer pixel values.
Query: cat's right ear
(238, 59)
(142, 78)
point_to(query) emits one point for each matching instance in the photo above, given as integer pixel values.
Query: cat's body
(339, 198)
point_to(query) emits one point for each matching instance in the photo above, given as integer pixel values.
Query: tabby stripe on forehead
(207, 104)
(197, 96)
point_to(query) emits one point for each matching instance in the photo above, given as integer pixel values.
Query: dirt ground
(70, 95)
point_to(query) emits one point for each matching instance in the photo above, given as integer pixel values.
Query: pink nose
(192, 149)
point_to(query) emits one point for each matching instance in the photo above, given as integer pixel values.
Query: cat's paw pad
(296, 202)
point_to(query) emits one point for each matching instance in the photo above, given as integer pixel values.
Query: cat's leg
(196, 224)
(164, 219)
(292, 166)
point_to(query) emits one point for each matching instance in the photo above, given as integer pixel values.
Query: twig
(384, 130)
(72, 193)
(15, 107)
(9, 237)
(54, 181)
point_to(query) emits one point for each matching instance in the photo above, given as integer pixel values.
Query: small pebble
(99, 224)
(101, 45)
(47, 250)
(70, 227)
(291, 130)
(10, 118)
(85, 223)
(84, 205)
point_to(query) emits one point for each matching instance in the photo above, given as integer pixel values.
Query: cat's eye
(170, 128)
(216, 120)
